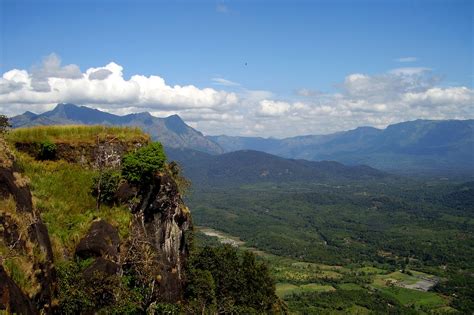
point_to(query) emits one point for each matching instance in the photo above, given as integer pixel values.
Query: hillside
(92, 220)
(413, 147)
(247, 166)
(172, 131)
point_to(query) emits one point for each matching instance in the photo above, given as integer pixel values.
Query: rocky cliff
(152, 251)
(25, 245)
(160, 225)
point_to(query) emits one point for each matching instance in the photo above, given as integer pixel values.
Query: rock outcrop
(12, 298)
(102, 242)
(160, 227)
(104, 153)
(23, 235)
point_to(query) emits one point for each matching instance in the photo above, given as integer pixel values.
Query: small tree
(105, 185)
(140, 166)
(4, 124)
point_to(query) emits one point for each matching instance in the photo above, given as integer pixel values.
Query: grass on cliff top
(6, 158)
(61, 192)
(76, 133)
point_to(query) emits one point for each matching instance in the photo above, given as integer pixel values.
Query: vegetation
(356, 235)
(222, 279)
(183, 183)
(62, 194)
(105, 185)
(109, 294)
(346, 302)
(138, 167)
(76, 134)
(47, 150)
(4, 124)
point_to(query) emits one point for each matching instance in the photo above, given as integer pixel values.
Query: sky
(250, 68)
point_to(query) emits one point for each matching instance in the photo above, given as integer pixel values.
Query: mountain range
(172, 131)
(248, 167)
(414, 146)
(420, 145)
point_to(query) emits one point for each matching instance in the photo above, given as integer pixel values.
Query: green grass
(410, 297)
(76, 133)
(357, 310)
(317, 287)
(61, 192)
(371, 270)
(349, 286)
(285, 289)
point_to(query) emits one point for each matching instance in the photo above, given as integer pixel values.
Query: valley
(295, 277)
(404, 239)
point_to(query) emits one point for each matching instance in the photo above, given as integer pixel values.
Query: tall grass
(61, 192)
(76, 133)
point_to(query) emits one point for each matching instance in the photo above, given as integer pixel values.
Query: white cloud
(407, 59)
(273, 108)
(224, 82)
(362, 99)
(409, 70)
(308, 92)
(100, 74)
(51, 68)
(104, 86)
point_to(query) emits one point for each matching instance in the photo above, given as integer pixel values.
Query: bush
(99, 293)
(140, 166)
(4, 124)
(47, 150)
(105, 185)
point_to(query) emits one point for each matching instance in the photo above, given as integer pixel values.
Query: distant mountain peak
(175, 123)
(172, 131)
(141, 115)
(175, 118)
(29, 114)
(62, 106)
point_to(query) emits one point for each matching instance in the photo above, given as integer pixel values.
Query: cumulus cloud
(273, 108)
(100, 74)
(104, 87)
(361, 99)
(51, 68)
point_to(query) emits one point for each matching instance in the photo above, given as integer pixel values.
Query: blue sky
(279, 47)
